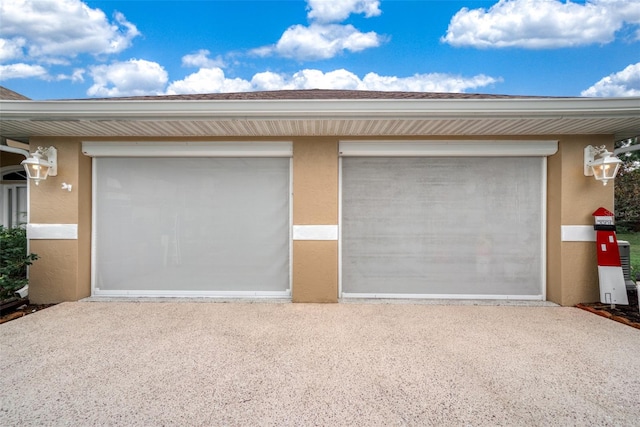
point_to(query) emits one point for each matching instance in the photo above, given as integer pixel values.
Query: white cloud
(323, 38)
(320, 42)
(622, 83)
(268, 81)
(27, 71)
(201, 59)
(23, 71)
(11, 49)
(214, 81)
(306, 79)
(338, 10)
(208, 80)
(432, 82)
(542, 24)
(50, 30)
(131, 78)
(78, 75)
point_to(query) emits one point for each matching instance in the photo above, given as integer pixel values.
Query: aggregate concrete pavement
(191, 363)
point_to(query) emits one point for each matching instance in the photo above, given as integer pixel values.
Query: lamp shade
(37, 167)
(606, 167)
(602, 168)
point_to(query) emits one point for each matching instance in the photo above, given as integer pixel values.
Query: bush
(627, 199)
(13, 260)
(627, 187)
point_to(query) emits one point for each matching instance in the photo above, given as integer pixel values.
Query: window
(13, 201)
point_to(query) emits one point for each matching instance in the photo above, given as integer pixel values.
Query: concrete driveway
(203, 363)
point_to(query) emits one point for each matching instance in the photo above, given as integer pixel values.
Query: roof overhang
(21, 120)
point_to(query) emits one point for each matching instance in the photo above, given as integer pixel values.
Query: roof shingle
(11, 95)
(316, 94)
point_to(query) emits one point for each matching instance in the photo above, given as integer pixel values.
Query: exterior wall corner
(572, 265)
(62, 272)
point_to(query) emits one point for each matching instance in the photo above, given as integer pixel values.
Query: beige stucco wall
(315, 202)
(572, 274)
(554, 226)
(315, 271)
(63, 272)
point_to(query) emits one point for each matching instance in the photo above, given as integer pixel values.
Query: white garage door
(449, 227)
(208, 226)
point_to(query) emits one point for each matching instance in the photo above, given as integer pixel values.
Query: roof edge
(274, 109)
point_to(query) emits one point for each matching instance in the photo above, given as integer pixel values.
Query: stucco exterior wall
(64, 270)
(315, 271)
(580, 196)
(53, 277)
(84, 188)
(315, 202)
(554, 226)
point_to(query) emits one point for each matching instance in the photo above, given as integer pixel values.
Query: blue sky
(55, 49)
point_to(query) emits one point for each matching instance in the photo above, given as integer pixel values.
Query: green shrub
(13, 260)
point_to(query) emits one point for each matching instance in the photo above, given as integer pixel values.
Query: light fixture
(41, 164)
(604, 168)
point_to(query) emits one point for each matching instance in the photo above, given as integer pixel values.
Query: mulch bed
(21, 311)
(627, 314)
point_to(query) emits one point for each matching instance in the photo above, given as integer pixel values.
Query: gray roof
(315, 94)
(9, 94)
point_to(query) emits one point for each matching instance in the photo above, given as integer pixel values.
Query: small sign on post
(613, 289)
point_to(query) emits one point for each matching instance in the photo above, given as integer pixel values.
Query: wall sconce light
(41, 164)
(604, 168)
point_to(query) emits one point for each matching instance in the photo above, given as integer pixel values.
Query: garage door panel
(192, 224)
(454, 226)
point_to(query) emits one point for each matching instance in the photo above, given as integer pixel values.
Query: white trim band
(188, 149)
(52, 231)
(441, 148)
(315, 232)
(443, 296)
(578, 233)
(341, 109)
(189, 294)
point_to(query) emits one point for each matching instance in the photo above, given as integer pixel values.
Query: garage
(449, 219)
(191, 219)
